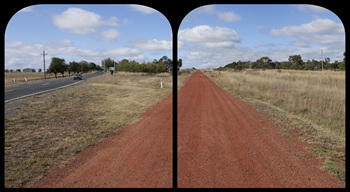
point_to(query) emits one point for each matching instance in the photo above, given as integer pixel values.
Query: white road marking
(45, 84)
(9, 91)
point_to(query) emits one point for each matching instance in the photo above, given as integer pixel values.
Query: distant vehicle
(77, 76)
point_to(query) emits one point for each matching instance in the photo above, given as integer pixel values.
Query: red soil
(222, 142)
(138, 155)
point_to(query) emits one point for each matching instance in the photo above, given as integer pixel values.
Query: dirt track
(221, 143)
(224, 143)
(138, 155)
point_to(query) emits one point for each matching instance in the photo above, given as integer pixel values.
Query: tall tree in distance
(297, 62)
(57, 65)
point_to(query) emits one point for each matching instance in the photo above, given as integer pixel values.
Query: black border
(174, 11)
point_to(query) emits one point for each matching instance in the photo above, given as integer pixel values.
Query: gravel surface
(222, 142)
(137, 155)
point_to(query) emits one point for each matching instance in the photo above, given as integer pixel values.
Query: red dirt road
(138, 155)
(222, 142)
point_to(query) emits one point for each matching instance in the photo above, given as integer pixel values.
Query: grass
(309, 104)
(46, 130)
(334, 168)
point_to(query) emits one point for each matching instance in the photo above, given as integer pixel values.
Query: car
(77, 76)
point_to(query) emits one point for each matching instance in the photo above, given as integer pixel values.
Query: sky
(215, 35)
(85, 32)
(209, 36)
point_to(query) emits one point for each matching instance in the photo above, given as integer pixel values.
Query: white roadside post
(161, 83)
(25, 78)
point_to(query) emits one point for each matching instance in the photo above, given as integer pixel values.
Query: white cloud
(319, 26)
(313, 8)
(22, 55)
(218, 37)
(123, 51)
(79, 21)
(229, 16)
(27, 9)
(143, 9)
(329, 40)
(109, 35)
(224, 16)
(152, 45)
(207, 9)
(209, 58)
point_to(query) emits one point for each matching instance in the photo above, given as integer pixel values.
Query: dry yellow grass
(314, 95)
(45, 130)
(310, 104)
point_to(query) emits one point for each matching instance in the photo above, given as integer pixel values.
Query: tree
(327, 62)
(239, 67)
(98, 68)
(108, 62)
(74, 66)
(277, 65)
(296, 61)
(231, 65)
(334, 65)
(92, 66)
(57, 66)
(167, 62)
(309, 65)
(84, 66)
(263, 62)
(341, 65)
(39, 70)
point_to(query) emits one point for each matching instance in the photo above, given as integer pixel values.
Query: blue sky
(86, 32)
(209, 36)
(215, 35)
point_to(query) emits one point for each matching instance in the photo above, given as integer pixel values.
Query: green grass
(335, 168)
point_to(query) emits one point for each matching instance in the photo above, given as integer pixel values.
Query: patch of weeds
(322, 152)
(335, 169)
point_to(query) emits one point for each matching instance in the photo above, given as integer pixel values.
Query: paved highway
(42, 86)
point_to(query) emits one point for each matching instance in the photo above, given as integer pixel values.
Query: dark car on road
(77, 76)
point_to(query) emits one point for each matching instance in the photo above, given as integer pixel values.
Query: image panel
(263, 105)
(88, 97)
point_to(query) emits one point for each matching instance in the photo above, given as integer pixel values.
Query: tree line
(294, 62)
(58, 65)
(164, 64)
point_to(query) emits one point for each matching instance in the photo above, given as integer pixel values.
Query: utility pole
(44, 63)
(114, 73)
(322, 58)
(104, 73)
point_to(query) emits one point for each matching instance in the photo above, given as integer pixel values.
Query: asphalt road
(42, 86)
